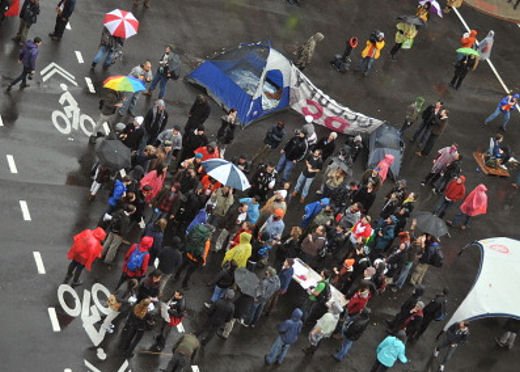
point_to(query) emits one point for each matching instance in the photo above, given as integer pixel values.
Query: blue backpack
(135, 261)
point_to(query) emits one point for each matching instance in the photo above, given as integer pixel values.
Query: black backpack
(437, 257)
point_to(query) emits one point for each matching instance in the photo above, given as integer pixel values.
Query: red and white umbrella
(121, 23)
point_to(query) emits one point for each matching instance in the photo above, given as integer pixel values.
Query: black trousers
(190, 267)
(395, 49)
(75, 268)
(378, 367)
(457, 80)
(60, 25)
(22, 77)
(429, 145)
(178, 363)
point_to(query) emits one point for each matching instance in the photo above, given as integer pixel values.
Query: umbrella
(121, 23)
(122, 83)
(226, 173)
(113, 154)
(247, 281)
(429, 223)
(468, 52)
(411, 20)
(435, 7)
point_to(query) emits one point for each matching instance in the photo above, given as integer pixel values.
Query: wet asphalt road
(53, 168)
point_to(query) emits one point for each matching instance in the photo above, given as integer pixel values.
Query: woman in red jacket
(454, 192)
(84, 251)
(136, 261)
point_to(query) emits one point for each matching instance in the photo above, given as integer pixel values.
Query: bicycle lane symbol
(90, 315)
(71, 117)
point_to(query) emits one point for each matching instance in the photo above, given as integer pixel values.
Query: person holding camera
(27, 58)
(169, 68)
(372, 51)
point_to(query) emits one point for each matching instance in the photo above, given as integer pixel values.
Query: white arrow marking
(67, 370)
(90, 85)
(52, 65)
(54, 319)
(39, 262)
(68, 26)
(52, 69)
(79, 57)
(1, 121)
(25, 210)
(195, 368)
(12, 164)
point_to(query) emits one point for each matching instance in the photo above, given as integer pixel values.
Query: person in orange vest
(372, 51)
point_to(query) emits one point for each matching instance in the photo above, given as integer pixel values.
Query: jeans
(22, 77)
(497, 112)
(343, 351)
(303, 184)
(366, 65)
(217, 294)
(129, 104)
(160, 79)
(104, 53)
(461, 219)
(449, 353)
(286, 166)
(278, 352)
(442, 207)
(418, 274)
(403, 275)
(255, 312)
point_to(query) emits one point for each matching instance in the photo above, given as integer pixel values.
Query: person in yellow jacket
(241, 252)
(404, 37)
(372, 51)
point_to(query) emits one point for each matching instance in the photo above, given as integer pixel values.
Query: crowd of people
(184, 218)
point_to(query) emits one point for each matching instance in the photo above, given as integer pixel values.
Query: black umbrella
(429, 223)
(247, 281)
(113, 154)
(411, 20)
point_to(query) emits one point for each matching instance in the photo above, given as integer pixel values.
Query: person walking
(184, 353)
(456, 335)
(506, 105)
(313, 165)
(136, 323)
(64, 11)
(224, 280)
(462, 67)
(511, 329)
(169, 68)
(136, 261)
(323, 328)
(429, 116)
(288, 333)
(272, 140)
(170, 259)
(305, 52)
(154, 122)
(406, 309)
(111, 100)
(118, 228)
(436, 129)
(352, 330)
(85, 249)
(219, 314)
(107, 47)
(372, 51)
(27, 58)
(412, 114)
(199, 113)
(391, 349)
(142, 72)
(28, 17)
(444, 158)
(268, 286)
(453, 193)
(176, 311)
(475, 204)
(404, 37)
(293, 152)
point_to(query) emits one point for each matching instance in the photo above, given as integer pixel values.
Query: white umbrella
(226, 173)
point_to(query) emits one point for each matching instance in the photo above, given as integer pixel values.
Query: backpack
(437, 257)
(441, 314)
(196, 239)
(135, 261)
(325, 294)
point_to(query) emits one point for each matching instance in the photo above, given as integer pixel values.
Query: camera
(376, 36)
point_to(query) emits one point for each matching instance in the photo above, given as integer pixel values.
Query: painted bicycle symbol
(71, 116)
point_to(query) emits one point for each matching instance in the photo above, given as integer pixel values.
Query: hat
(349, 262)
(120, 127)
(282, 193)
(309, 118)
(160, 102)
(420, 305)
(139, 120)
(229, 294)
(198, 155)
(278, 212)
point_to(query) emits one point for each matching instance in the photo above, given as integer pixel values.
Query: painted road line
(195, 368)
(11, 163)
(180, 328)
(1, 121)
(90, 367)
(54, 320)
(79, 57)
(25, 210)
(39, 262)
(106, 128)
(68, 26)
(67, 370)
(90, 85)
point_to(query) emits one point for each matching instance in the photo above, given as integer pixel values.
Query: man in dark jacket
(268, 286)
(198, 114)
(437, 128)
(154, 122)
(352, 329)
(118, 227)
(293, 152)
(149, 288)
(184, 353)
(430, 116)
(404, 312)
(169, 68)
(456, 335)
(192, 141)
(222, 282)
(219, 314)
(64, 11)
(288, 332)
(263, 181)
(272, 140)
(327, 145)
(170, 259)
(110, 101)
(172, 312)
(28, 17)
(435, 310)
(27, 58)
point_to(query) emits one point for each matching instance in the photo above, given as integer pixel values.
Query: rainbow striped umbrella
(121, 23)
(122, 83)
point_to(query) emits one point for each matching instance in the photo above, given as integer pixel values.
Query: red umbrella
(121, 23)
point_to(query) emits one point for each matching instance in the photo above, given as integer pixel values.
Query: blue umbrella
(226, 173)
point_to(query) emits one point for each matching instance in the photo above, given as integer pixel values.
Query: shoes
(335, 358)
(449, 222)
(76, 284)
(92, 139)
(436, 353)
(499, 343)
(243, 323)
(147, 93)
(54, 37)
(93, 65)
(221, 335)
(419, 154)
(23, 86)
(207, 305)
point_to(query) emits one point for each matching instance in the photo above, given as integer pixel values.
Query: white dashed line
(11, 163)
(90, 366)
(39, 262)
(25, 210)
(90, 85)
(106, 128)
(54, 319)
(68, 26)
(180, 328)
(79, 57)
(195, 368)
(67, 370)
(1, 121)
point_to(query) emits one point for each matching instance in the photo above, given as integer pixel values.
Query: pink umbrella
(121, 23)
(435, 7)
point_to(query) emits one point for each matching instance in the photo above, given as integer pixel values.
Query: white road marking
(11, 163)
(39, 262)
(180, 328)
(54, 320)
(90, 85)
(67, 370)
(79, 57)
(106, 128)
(90, 366)
(1, 121)
(68, 26)
(195, 368)
(52, 68)
(25, 210)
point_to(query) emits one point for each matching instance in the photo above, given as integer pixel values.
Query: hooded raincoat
(87, 247)
(311, 210)
(445, 157)
(306, 51)
(486, 45)
(455, 191)
(476, 202)
(384, 166)
(144, 246)
(290, 329)
(241, 252)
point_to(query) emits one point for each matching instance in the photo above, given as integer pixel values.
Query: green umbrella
(468, 51)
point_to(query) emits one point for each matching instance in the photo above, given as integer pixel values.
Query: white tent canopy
(497, 287)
